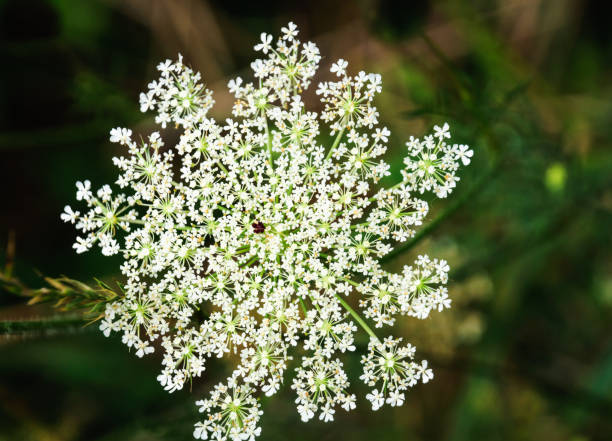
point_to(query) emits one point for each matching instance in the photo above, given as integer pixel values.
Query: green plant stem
(357, 317)
(303, 307)
(335, 144)
(269, 136)
(447, 212)
(8, 327)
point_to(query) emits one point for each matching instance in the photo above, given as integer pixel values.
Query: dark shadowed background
(526, 351)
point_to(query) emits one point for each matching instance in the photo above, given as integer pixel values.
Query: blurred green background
(526, 351)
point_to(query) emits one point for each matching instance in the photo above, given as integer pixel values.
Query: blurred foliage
(65, 294)
(526, 351)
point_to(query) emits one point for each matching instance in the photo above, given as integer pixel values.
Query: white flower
(234, 85)
(104, 193)
(376, 398)
(83, 190)
(105, 327)
(120, 135)
(82, 245)
(464, 153)
(200, 431)
(442, 132)
(142, 348)
(339, 67)
(381, 134)
(146, 102)
(290, 31)
(264, 46)
(251, 237)
(396, 398)
(426, 374)
(165, 67)
(68, 215)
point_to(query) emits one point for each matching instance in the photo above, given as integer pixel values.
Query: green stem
(357, 317)
(269, 136)
(63, 323)
(252, 260)
(303, 307)
(335, 144)
(222, 167)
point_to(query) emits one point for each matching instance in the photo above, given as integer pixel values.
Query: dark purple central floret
(258, 227)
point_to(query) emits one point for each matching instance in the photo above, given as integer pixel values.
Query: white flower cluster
(250, 237)
(392, 366)
(431, 164)
(233, 413)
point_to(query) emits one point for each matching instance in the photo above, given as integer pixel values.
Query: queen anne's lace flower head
(250, 238)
